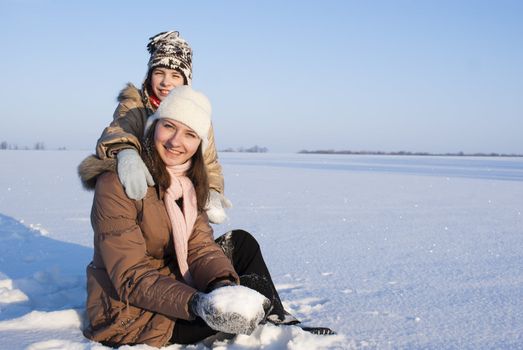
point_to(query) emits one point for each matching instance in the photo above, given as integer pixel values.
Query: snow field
(391, 252)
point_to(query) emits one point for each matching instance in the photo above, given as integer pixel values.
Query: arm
(121, 245)
(214, 169)
(126, 129)
(210, 269)
(217, 202)
(207, 261)
(125, 133)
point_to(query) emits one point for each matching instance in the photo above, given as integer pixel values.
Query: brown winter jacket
(126, 131)
(135, 290)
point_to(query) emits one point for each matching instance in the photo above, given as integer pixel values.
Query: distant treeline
(406, 153)
(4, 145)
(253, 149)
(39, 146)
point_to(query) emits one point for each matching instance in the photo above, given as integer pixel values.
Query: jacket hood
(91, 167)
(131, 93)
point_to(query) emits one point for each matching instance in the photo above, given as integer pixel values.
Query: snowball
(239, 300)
(234, 309)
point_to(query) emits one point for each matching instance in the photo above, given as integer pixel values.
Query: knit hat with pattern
(170, 50)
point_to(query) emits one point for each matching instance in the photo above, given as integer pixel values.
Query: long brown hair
(197, 173)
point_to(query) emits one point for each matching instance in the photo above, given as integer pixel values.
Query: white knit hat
(186, 106)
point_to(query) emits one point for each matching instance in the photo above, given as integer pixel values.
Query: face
(164, 80)
(175, 142)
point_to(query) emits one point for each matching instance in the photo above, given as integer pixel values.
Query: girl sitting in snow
(170, 65)
(157, 275)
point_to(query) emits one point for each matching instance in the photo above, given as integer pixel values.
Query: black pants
(244, 252)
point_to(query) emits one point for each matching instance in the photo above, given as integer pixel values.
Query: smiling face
(164, 80)
(175, 142)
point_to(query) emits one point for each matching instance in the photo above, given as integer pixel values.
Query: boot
(318, 330)
(277, 314)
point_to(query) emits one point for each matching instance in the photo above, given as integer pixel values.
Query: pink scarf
(182, 222)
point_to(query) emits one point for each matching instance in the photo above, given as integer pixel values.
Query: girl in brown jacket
(157, 275)
(170, 65)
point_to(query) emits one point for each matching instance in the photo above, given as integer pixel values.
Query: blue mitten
(133, 174)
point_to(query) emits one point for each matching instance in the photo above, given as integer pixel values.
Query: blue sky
(433, 76)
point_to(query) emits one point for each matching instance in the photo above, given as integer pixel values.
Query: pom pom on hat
(170, 50)
(186, 106)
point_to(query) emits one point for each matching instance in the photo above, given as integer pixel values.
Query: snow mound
(8, 293)
(58, 344)
(44, 320)
(270, 337)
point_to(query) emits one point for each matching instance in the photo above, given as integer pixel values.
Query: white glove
(216, 207)
(133, 174)
(232, 309)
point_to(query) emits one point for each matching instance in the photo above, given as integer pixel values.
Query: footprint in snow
(287, 287)
(306, 305)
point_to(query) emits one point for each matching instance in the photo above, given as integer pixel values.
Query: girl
(157, 275)
(170, 65)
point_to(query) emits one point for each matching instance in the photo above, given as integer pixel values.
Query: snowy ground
(391, 252)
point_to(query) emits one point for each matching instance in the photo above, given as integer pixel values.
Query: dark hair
(197, 173)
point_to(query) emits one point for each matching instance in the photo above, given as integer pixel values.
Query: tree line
(253, 149)
(39, 146)
(4, 145)
(406, 153)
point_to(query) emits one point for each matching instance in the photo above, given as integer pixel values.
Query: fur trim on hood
(91, 167)
(130, 92)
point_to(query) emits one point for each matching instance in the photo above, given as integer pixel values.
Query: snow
(44, 320)
(391, 252)
(226, 299)
(232, 309)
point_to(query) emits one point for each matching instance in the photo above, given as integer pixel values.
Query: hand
(133, 174)
(215, 207)
(219, 284)
(234, 309)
